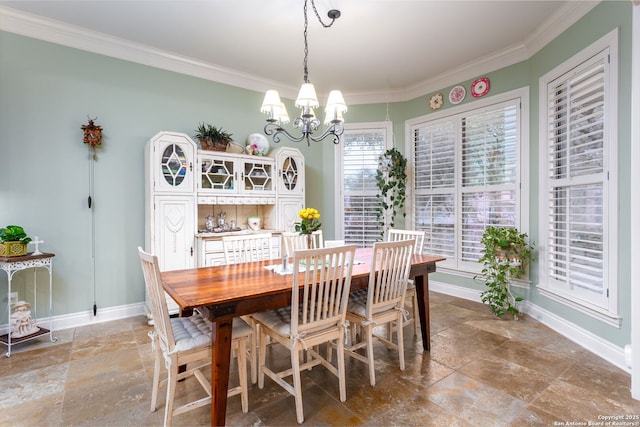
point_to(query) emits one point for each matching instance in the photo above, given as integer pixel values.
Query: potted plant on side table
(13, 241)
(505, 255)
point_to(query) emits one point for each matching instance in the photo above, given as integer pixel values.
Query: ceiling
(378, 50)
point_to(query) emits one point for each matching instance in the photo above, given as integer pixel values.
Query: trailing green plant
(14, 233)
(505, 255)
(391, 179)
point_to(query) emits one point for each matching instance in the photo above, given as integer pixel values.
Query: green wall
(604, 18)
(47, 91)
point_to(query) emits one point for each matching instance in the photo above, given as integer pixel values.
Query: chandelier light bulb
(307, 97)
(280, 114)
(336, 102)
(333, 116)
(271, 101)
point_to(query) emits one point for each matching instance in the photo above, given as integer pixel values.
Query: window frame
(458, 267)
(387, 129)
(607, 310)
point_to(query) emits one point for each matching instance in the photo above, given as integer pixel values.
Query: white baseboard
(83, 318)
(455, 291)
(586, 339)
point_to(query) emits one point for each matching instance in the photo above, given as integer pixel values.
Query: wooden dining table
(223, 292)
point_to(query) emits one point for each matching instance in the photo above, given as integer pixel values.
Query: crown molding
(64, 34)
(564, 18)
(40, 28)
(568, 15)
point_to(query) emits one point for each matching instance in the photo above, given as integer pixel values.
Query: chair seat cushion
(190, 332)
(358, 304)
(279, 320)
(195, 331)
(240, 328)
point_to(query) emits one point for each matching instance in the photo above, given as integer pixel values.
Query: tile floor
(481, 371)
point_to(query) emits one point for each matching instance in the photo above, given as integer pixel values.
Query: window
(356, 189)
(467, 175)
(578, 120)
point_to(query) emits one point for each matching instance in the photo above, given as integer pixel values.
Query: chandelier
(306, 101)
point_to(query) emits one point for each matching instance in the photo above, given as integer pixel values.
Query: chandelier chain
(306, 44)
(306, 25)
(307, 99)
(333, 17)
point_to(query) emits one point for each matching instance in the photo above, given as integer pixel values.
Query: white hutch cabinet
(183, 185)
(290, 186)
(170, 203)
(227, 174)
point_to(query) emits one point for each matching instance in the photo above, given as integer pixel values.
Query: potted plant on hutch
(213, 138)
(505, 255)
(13, 241)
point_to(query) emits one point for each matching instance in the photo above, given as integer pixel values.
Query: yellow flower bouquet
(309, 221)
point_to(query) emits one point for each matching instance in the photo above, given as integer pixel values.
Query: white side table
(14, 264)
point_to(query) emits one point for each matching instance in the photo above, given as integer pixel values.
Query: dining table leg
(221, 358)
(422, 294)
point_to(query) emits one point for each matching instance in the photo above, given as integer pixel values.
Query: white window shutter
(489, 188)
(466, 179)
(435, 185)
(361, 150)
(576, 176)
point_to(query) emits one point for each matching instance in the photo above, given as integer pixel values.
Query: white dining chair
(319, 298)
(382, 302)
(293, 241)
(394, 235)
(334, 243)
(247, 248)
(186, 341)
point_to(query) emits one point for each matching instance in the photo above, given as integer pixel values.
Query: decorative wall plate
(480, 87)
(436, 101)
(457, 94)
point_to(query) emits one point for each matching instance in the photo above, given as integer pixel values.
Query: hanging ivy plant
(391, 179)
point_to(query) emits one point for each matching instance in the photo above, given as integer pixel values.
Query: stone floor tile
(516, 380)
(476, 403)
(22, 386)
(420, 412)
(538, 359)
(33, 411)
(481, 371)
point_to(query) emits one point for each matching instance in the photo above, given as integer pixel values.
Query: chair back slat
(394, 235)
(326, 281)
(390, 266)
(292, 242)
(159, 310)
(247, 248)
